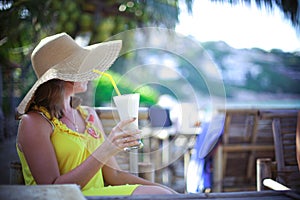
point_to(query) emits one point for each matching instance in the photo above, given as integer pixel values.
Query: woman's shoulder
(33, 127)
(88, 110)
(35, 121)
(32, 116)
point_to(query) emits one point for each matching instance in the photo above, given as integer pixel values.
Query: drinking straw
(110, 78)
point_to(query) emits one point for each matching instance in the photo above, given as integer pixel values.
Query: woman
(59, 142)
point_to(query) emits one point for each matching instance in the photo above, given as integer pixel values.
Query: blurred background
(252, 48)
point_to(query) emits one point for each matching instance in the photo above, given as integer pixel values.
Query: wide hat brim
(78, 67)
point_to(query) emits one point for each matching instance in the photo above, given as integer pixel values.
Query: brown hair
(50, 95)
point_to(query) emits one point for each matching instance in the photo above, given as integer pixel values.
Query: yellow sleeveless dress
(71, 149)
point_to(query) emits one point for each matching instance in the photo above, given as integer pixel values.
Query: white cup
(128, 108)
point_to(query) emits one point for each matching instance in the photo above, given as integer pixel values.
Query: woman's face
(80, 87)
(77, 87)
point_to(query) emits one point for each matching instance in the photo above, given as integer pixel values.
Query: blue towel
(199, 172)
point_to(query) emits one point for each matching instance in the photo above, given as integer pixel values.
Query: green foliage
(105, 90)
(24, 23)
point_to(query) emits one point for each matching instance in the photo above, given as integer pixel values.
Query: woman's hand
(119, 138)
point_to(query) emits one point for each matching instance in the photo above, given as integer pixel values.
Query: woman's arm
(34, 141)
(113, 175)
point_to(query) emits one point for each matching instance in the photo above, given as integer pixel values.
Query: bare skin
(34, 141)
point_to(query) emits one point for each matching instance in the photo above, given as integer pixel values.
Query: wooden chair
(285, 173)
(298, 140)
(15, 173)
(245, 138)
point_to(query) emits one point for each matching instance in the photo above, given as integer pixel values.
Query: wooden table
(41, 192)
(274, 195)
(72, 192)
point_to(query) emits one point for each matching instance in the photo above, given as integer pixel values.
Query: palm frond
(290, 8)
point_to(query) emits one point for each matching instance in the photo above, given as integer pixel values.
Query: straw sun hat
(59, 57)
